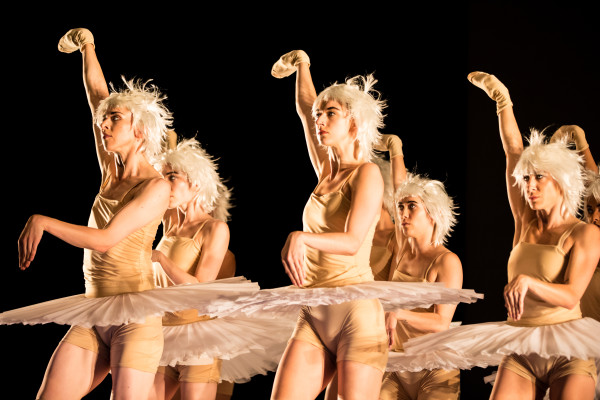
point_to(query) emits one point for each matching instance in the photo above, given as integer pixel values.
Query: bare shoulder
(368, 172)
(215, 225)
(586, 233)
(449, 260)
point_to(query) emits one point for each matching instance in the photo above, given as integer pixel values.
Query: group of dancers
(374, 287)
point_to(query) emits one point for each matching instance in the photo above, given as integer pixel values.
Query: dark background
(214, 63)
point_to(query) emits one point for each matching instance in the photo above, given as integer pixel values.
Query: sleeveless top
(185, 253)
(590, 301)
(328, 213)
(127, 266)
(381, 259)
(405, 331)
(547, 263)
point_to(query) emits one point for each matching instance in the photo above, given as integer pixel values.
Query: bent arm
(148, 205)
(305, 97)
(583, 259)
(449, 272)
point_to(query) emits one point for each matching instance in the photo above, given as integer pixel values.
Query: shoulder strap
(566, 234)
(433, 262)
(133, 187)
(200, 228)
(348, 178)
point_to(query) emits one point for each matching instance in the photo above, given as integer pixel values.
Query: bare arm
(448, 269)
(512, 143)
(367, 195)
(583, 259)
(305, 97)
(149, 204)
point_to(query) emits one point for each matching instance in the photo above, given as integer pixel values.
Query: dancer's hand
(572, 133)
(390, 143)
(288, 63)
(75, 39)
(514, 296)
(493, 87)
(29, 239)
(390, 327)
(292, 257)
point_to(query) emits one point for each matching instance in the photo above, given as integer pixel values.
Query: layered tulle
(282, 301)
(485, 344)
(133, 307)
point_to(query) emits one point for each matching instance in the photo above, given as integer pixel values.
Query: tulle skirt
(483, 345)
(133, 307)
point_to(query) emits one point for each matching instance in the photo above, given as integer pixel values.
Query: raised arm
(212, 253)
(367, 196)
(393, 145)
(448, 270)
(149, 204)
(94, 82)
(299, 62)
(512, 142)
(574, 134)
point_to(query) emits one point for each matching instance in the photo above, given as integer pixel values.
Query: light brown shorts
(137, 346)
(544, 371)
(351, 331)
(436, 384)
(210, 373)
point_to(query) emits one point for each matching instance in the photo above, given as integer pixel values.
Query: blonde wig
(192, 160)
(438, 204)
(149, 113)
(388, 186)
(592, 189)
(364, 105)
(558, 160)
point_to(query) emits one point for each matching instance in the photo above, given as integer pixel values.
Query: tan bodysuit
(126, 267)
(381, 259)
(185, 253)
(354, 330)
(427, 384)
(547, 263)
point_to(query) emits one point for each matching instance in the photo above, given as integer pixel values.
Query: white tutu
(282, 301)
(483, 345)
(132, 307)
(226, 338)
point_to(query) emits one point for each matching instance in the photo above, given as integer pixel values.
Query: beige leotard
(127, 266)
(547, 263)
(328, 213)
(427, 384)
(354, 330)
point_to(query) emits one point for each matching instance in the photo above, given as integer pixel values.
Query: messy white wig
(438, 204)
(558, 160)
(364, 105)
(149, 113)
(592, 189)
(200, 168)
(388, 186)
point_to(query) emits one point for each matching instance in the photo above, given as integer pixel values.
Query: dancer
(334, 248)
(425, 217)
(545, 343)
(393, 173)
(129, 127)
(192, 249)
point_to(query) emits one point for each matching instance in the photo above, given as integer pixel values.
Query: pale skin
(542, 205)
(73, 371)
(333, 151)
(183, 219)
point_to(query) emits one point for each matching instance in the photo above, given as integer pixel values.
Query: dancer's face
(413, 217)
(118, 133)
(543, 192)
(334, 124)
(181, 189)
(593, 211)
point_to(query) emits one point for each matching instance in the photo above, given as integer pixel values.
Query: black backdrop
(213, 62)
